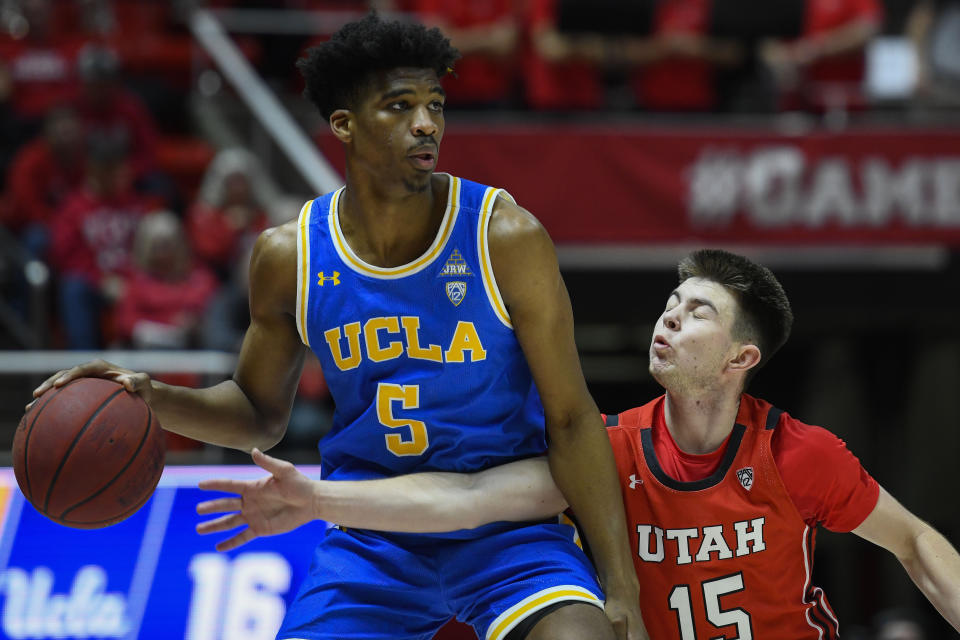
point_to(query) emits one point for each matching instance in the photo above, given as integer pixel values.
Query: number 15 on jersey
(712, 590)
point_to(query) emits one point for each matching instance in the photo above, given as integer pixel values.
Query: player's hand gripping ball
(88, 454)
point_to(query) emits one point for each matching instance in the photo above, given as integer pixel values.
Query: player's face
(399, 125)
(692, 339)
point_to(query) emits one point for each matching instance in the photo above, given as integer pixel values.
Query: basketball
(88, 454)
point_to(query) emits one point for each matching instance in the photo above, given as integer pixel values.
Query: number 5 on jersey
(409, 398)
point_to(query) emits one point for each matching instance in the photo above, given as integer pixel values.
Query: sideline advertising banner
(150, 577)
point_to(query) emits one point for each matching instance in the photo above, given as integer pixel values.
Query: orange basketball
(88, 454)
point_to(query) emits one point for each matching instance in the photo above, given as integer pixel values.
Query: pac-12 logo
(745, 476)
(456, 292)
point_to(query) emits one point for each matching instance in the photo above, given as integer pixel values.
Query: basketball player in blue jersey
(437, 310)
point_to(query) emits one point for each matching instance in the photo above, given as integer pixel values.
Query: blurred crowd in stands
(147, 229)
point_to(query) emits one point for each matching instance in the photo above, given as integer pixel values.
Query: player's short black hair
(766, 317)
(336, 70)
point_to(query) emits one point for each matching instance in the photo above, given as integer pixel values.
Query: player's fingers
(276, 466)
(223, 523)
(220, 505)
(48, 383)
(132, 382)
(95, 368)
(238, 540)
(226, 485)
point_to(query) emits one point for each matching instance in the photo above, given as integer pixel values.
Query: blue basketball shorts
(376, 586)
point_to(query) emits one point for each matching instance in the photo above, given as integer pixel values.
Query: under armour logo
(634, 481)
(335, 278)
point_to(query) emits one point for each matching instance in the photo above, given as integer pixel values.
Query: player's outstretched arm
(251, 409)
(416, 503)
(582, 463)
(930, 560)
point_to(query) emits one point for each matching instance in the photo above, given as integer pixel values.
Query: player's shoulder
(641, 417)
(790, 433)
(273, 266)
(278, 244)
(520, 248)
(510, 222)
(627, 425)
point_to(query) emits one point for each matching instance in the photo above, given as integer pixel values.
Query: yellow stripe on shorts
(510, 618)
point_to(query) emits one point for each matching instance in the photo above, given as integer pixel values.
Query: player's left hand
(626, 618)
(278, 503)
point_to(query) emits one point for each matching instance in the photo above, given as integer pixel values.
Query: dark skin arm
(251, 409)
(581, 461)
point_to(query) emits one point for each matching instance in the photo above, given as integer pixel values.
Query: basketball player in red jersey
(723, 491)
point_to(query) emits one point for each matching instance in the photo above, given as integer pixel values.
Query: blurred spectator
(36, 71)
(38, 56)
(91, 242)
(41, 176)
(231, 208)
(12, 133)
(659, 50)
(165, 298)
(107, 108)
(561, 70)
(487, 34)
(824, 67)
(934, 28)
(228, 314)
(679, 72)
(166, 292)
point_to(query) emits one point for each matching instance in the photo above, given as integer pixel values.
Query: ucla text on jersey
(421, 359)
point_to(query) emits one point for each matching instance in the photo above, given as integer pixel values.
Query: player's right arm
(252, 408)
(930, 560)
(425, 502)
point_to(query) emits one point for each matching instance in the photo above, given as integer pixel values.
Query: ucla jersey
(421, 359)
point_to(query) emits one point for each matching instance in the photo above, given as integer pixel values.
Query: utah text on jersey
(700, 544)
(390, 337)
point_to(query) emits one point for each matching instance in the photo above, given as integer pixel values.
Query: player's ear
(341, 124)
(746, 357)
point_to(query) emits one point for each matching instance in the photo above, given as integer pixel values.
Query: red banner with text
(640, 184)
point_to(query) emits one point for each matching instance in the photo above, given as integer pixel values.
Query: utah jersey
(727, 556)
(421, 359)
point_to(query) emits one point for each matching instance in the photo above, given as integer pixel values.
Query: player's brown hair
(765, 316)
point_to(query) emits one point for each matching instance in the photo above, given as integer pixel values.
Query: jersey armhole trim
(773, 418)
(303, 270)
(483, 250)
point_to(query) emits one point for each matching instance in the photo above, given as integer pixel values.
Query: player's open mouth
(660, 343)
(424, 161)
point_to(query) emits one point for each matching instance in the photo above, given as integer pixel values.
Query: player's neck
(700, 422)
(389, 227)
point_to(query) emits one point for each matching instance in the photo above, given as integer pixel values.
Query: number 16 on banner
(239, 598)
